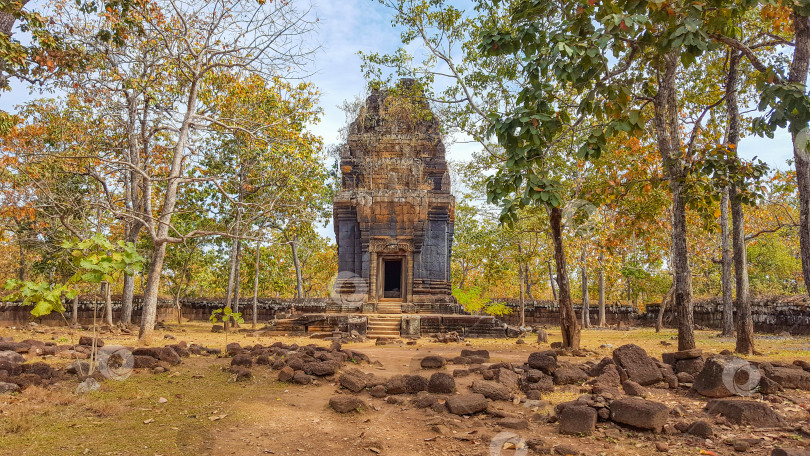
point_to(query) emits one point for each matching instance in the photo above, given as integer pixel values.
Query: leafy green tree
(95, 260)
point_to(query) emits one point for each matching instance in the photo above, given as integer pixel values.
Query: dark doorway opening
(392, 283)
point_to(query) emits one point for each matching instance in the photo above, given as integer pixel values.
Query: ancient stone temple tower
(394, 213)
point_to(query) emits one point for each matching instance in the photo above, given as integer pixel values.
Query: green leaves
(225, 315)
(45, 297)
(721, 167)
(786, 104)
(97, 260)
(474, 301)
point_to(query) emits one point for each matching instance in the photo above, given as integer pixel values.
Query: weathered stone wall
(198, 309)
(318, 324)
(548, 313)
(771, 314)
(469, 326)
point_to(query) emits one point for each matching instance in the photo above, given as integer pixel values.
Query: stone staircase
(389, 307)
(383, 326)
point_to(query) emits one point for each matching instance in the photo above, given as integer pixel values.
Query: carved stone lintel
(389, 246)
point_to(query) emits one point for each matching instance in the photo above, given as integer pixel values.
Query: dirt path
(198, 409)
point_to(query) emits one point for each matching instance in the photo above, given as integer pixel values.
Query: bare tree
(157, 93)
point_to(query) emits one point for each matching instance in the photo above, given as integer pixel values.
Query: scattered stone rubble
(615, 389)
(619, 389)
(19, 367)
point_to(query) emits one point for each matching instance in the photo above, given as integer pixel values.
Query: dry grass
(112, 420)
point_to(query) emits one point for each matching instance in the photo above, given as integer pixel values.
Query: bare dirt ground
(197, 407)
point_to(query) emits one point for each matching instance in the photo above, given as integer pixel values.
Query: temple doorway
(392, 278)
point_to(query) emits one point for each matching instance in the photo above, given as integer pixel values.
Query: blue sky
(349, 26)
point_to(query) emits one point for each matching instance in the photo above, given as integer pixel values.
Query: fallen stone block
(492, 390)
(725, 376)
(433, 362)
(639, 413)
(569, 375)
(545, 361)
(466, 404)
(346, 404)
(639, 367)
(745, 412)
(791, 378)
(441, 383)
(577, 419)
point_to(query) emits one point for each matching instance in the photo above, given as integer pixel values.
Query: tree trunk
(21, 270)
(798, 75)
(629, 292)
(177, 303)
(108, 310)
(568, 319)
(659, 322)
(683, 273)
(135, 200)
(256, 282)
(74, 317)
(299, 280)
(745, 324)
(128, 291)
(527, 283)
(522, 285)
(586, 305)
(150, 294)
(728, 311)
(7, 19)
(667, 130)
(127, 296)
(231, 273)
(552, 281)
(152, 286)
(602, 319)
(238, 277)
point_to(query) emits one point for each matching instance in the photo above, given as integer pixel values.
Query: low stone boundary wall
(464, 325)
(771, 314)
(15, 314)
(540, 313)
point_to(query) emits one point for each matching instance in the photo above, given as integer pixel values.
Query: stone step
(383, 324)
